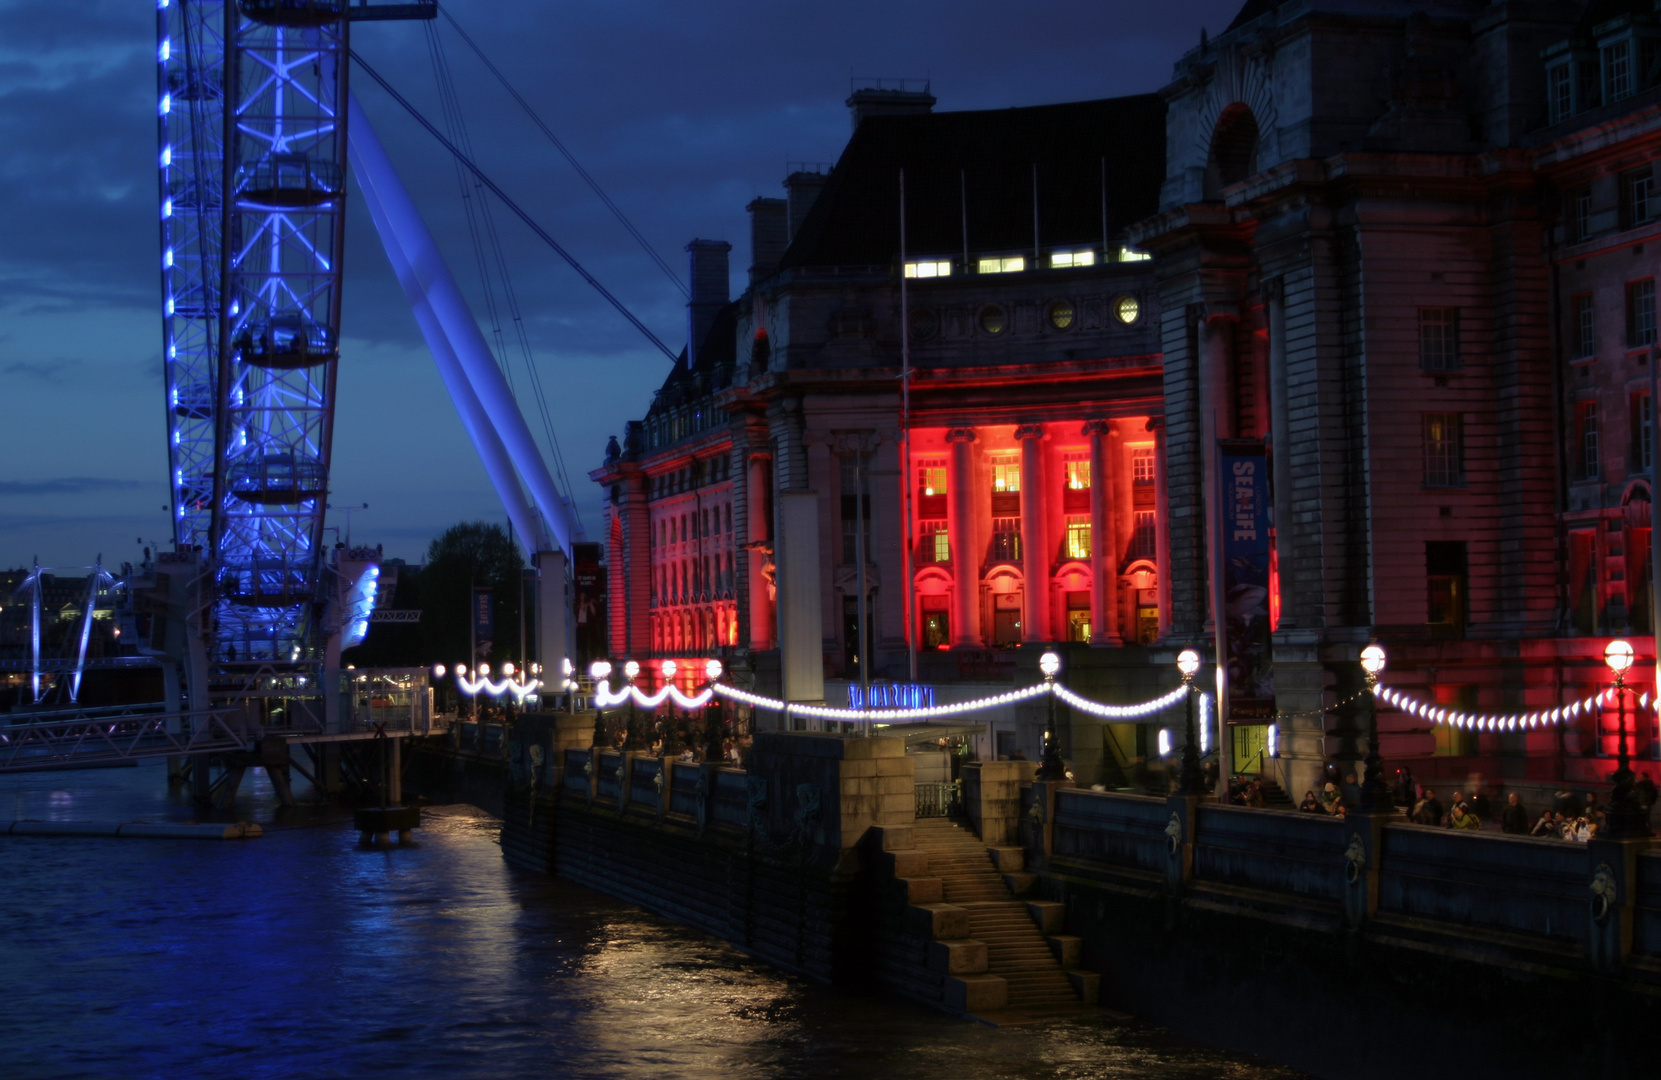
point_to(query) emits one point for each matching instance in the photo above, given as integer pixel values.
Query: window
(1078, 538)
(1580, 212)
(993, 320)
(933, 545)
(1586, 440)
(1445, 576)
(1126, 309)
(1617, 71)
(1638, 197)
(1006, 539)
(931, 490)
(1444, 449)
(1144, 540)
(1075, 483)
(1006, 474)
(930, 268)
(1014, 264)
(1061, 314)
(1585, 330)
(1127, 254)
(1142, 465)
(1562, 93)
(1640, 313)
(856, 505)
(1072, 258)
(1439, 339)
(1078, 474)
(1643, 431)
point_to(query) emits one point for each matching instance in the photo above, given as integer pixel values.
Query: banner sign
(407, 615)
(484, 622)
(1243, 487)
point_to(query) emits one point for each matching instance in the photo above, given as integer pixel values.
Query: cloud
(55, 371)
(73, 485)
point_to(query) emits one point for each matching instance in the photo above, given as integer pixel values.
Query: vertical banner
(484, 622)
(589, 610)
(1244, 515)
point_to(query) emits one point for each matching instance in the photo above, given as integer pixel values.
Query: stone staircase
(1002, 955)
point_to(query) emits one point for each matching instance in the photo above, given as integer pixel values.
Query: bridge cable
(593, 184)
(481, 210)
(518, 211)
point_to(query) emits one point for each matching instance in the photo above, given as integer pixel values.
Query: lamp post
(1375, 793)
(1052, 767)
(1191, 780)
(438, 673)
(671, 736)
(1625, 819)
(599, 671)
(630, 670)
(714, 737)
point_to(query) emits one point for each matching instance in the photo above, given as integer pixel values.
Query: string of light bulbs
(519, 690)
(605, 698)
(1120, 712)
(1438, 714)
(824, 712)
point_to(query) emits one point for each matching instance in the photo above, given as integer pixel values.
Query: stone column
(1035, 544)
(1216, 422)
(1162, 531)
(960, 520)
(760, 560)
(1104, 535)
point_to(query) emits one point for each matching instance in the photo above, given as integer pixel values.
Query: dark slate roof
(715, 359)
(856, 222)
(1250, 10)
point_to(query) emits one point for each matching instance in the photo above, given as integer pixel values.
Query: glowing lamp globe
(483, 669)
(507, 667)
(438, 671)
(566, 664)
(668, 668)
(1188, 662)
(461, 669)
(599, 670)
(1049, 664)
(1372, 659)
(712, 670)
(631, 669)
(1618, 656)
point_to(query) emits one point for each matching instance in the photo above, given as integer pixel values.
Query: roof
(718, 350)
(990, 156)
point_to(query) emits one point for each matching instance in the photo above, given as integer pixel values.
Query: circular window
(1061, 314)
(924, 323)
(993, 320)
(1126, 309)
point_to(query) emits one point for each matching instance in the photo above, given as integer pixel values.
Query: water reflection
(300, 955)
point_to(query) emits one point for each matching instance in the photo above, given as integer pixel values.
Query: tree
(471, 554)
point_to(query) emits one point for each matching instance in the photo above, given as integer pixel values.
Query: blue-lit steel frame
(261, 349)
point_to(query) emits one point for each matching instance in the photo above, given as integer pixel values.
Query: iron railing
(943, 799)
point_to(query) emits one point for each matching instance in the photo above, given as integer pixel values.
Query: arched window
(1233, 150)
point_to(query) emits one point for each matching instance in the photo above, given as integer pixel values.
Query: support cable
(519, 212)
(456, 122)
(593, 184)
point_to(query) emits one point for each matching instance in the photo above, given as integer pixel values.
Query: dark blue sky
(683, 112)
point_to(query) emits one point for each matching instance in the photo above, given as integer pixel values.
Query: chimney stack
(709, 293)
(890, 97)
(801, 188)
(769, 235)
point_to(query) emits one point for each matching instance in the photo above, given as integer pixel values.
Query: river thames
(301, 955)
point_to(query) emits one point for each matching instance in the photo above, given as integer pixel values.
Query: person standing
(1515, 818)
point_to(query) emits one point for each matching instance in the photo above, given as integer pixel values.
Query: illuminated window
(1006, 474)
(1126, 309)
(1072, 258)
(1061, 314)
(1141, 465)
(1078, 475)
(931, 480)
(1078, 538)
(933, 545)
(1144, 540)
(1444, 449)
(993, 320)
(1132, 255)
(1012, 265)
(930, 268)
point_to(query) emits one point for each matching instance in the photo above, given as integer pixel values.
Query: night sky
(683, 113)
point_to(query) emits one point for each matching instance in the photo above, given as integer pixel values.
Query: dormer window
(1618, 80)
(1561, 81)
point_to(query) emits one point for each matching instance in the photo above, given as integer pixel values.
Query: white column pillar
(1104, 534)
(1035, 542)
(960, 527)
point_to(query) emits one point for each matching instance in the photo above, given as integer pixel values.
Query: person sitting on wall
(1309, 805)
(1594, 812)
(1461, 818)
(1458, 803)
(1330, 799)
(1549, 827)
(1515, 818)
(1406, 790)
(1428, 810)
(1480, 806)
(1351, 790)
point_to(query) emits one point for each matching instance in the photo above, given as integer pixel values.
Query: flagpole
(905, 445)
